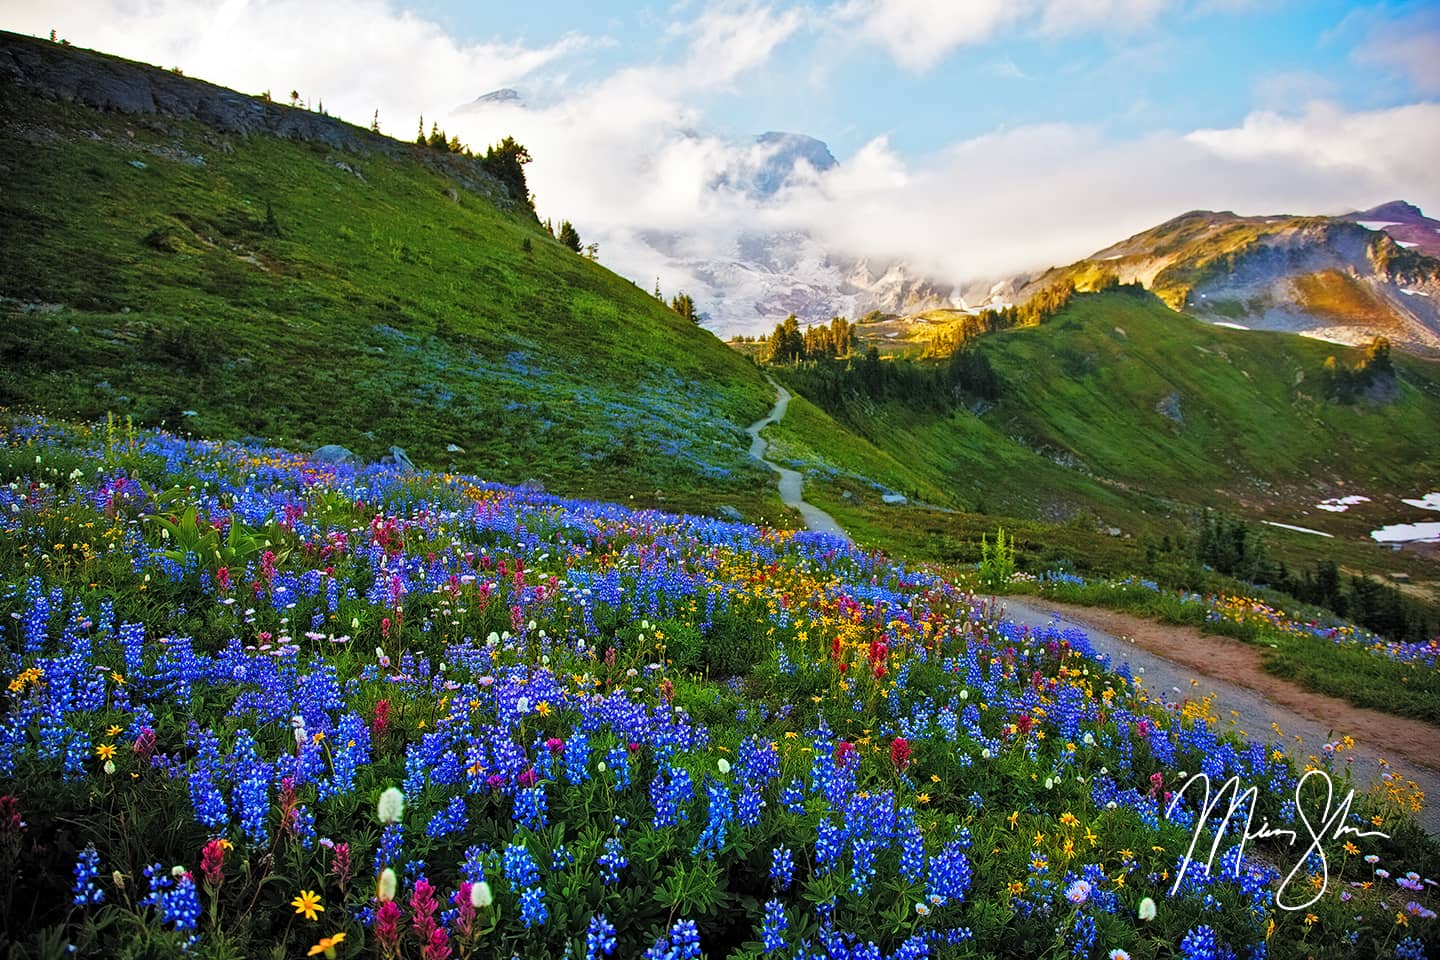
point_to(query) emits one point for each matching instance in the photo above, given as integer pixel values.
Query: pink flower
(387, 926)
(212, 862)
(900, 753)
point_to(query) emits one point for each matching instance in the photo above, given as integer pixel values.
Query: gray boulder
(334, 453)
(402, 460)
(728, 512)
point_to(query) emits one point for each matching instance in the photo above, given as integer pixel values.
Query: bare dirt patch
(1224, 658)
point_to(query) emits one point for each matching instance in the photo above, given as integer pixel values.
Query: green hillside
(1120, 413)
(255, 286)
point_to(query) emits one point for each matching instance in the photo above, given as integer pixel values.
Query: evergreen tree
(505, 161)
(683, 304)
(420, 133)
(569, 236)
(375, 122)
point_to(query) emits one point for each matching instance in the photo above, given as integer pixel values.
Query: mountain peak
(504, 97)
(1398, 210)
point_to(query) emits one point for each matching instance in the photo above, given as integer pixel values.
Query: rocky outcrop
(66, 73)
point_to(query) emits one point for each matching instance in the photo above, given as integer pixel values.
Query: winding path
(791, 482)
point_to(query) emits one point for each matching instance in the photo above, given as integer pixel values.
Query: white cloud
(1410, 45)
(920, 33)
(730, 39)
(355, 55)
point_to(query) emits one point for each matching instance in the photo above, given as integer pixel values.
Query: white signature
(1330, 827)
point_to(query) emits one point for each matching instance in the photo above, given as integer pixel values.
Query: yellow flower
(543, 708)
(105, 751)
(308, 903)
(1012, 818)
(1039, 838)
(1350, 848)
(1311, 919)
(327, 945)
(922, 798)
(112, 731)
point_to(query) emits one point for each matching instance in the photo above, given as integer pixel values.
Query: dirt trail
(1183, 660)
(791, 482)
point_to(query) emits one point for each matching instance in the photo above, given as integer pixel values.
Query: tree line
(1233, 547)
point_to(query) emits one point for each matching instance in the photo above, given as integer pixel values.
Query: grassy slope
(384, 313)
(1252, 420)
(1254, 440)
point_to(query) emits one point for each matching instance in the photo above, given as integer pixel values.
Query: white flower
(1088, 739)
(601, 766)
(723, 766)
(1078, 892)
(522, 705)
(1049, 783)
(532, 625)
(1147, 909)
(985, 754)
(480, 895)
(964, 694)
(391, 806)
(109, 766)
(493, 639)
(387, 885)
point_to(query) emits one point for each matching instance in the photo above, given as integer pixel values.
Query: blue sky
(1184, 66)
(977, 139)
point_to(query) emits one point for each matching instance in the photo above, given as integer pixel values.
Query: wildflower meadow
(256, 705)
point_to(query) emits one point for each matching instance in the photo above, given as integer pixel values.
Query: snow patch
(1431, 501)
(1378, 224)
(1288, 526)
(1341, 504)
(1405, 243)
(1116, 257)
(1407, 533)
(1320, 336)
(1232, 326)
(1412, 292)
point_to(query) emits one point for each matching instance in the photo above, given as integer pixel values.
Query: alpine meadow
(573, 528)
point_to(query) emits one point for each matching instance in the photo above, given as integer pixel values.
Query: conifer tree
(569, 236)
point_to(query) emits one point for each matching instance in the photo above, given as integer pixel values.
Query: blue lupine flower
(772, 933)
(87, 868)
(533, 911)
(612, 861)
(782, 867)
(519, 866)
(599, 938)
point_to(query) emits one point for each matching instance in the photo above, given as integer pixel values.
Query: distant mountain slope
(198, 258)
(1121, 408)
(1347, 279)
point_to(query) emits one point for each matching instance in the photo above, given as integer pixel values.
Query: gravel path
(1253, 712)
(791, 482)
